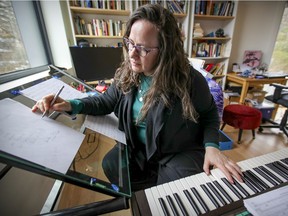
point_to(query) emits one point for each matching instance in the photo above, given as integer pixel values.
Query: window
(24, 48)
(279, 60)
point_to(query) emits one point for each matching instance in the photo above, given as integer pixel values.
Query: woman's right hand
(59, 105)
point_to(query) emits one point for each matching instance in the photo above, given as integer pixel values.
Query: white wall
(256, 28)
(56, 33)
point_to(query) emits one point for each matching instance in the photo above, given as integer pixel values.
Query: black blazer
(167, 131)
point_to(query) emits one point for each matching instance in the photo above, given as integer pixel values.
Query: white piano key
(218, 174)
(169, 191)
(163, 194)
(250, 166)
(193, 182)
(204, 179)
(177, 187)
(263, 163)
(152, 197)
(188, 187)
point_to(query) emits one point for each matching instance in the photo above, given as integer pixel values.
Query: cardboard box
(256, 95)
(225, 142)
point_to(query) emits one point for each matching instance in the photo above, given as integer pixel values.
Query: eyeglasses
(141, 50)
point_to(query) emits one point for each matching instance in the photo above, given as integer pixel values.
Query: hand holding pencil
(52, 102)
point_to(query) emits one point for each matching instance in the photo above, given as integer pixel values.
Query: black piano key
(249, 183)
(211, 197)
(164, 206)
(221, 189)
(217, 194)
(258, 179)
(240, 188)
(264, 175)
(172, 205)
(283, 166)
(180, 204)
(255, 180)
(252, 181)
(192, 202)
(285, 160)
(272, 175)
(277, 170)
(200, 200)
(234, 190)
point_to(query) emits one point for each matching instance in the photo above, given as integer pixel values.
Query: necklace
(145, 83)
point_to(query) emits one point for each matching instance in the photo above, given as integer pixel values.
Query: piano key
(264, 175)
(281, 167)
(192, 202)
(171, 199)
(277, 170)
(200, 199)
(252, 185)
(177, 188)
(170, 208)
(154, 204)
(164, 206)
(221, 189)
(271, 174)
(240, 188)
(180, 204)
(194, 182)
(263, 161)
(235, 191)
(285, 160)
(208, 181)
(218, 175)
(188, 187)
(262, 181)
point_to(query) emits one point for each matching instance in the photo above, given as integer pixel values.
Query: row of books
(216, 8)
(215, 68)
(206, 49)
(101, 4)
(99, 27)
(175, 6)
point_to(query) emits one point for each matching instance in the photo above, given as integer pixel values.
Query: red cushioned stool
(242, 117)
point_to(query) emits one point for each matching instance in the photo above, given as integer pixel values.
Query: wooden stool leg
(223, 125)
(240, 135)
(253, 134)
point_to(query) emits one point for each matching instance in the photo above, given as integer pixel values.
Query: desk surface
(247, 82)
(84, 171)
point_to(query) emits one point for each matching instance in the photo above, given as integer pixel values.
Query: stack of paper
(273, 203)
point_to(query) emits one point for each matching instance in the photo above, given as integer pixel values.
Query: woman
(164, 106)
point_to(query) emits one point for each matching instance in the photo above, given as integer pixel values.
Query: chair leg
(239, 135)
(223, 125)
(253, 134)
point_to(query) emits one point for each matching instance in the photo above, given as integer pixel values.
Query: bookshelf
(189, 14)
(101, 23)
(214, 48)
(86, 13)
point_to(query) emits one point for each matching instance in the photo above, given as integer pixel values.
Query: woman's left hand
(214, 157)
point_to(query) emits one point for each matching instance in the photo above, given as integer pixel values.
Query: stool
(242, 117)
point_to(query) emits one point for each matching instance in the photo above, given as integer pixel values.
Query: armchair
(280, 97)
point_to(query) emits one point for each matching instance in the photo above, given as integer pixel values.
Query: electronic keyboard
(201, 194)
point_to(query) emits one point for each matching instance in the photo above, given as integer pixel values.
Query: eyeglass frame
(138, 48)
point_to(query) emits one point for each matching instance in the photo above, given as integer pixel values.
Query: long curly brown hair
(171, 74)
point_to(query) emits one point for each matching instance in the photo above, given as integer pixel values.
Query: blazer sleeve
(101, 104)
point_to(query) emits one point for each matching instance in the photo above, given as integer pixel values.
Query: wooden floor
(269, 140)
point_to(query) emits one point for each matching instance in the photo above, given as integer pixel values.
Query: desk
(85, 171)
(247, 82)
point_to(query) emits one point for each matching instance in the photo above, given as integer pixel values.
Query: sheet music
(42, 141)
(271, 203)
(51, 86)
(106, 125)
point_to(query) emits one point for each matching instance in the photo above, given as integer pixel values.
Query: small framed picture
(252, 58)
